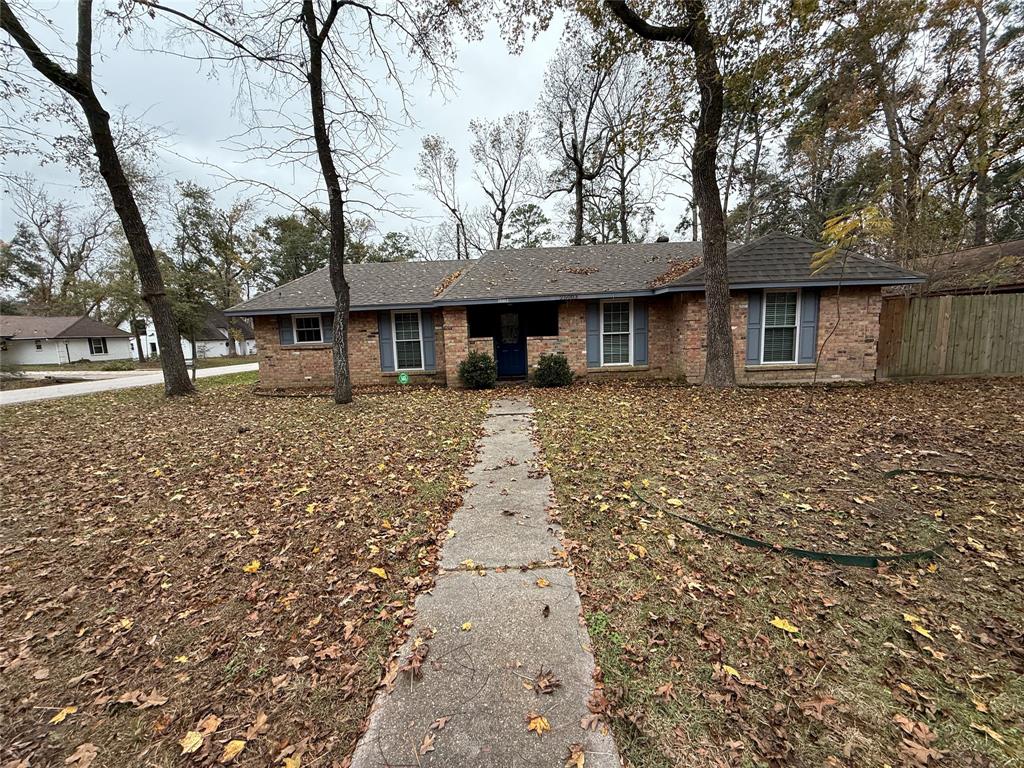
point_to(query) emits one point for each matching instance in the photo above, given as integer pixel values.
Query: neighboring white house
(34, 340)
(219, 337)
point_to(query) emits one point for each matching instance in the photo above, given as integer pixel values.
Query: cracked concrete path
(475, 679)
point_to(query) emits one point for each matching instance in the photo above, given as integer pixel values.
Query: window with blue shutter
(639, 332)
(754, 327)
(387, 350)
(428, 340)
(809, 300)
(593, 334)
(284, 330)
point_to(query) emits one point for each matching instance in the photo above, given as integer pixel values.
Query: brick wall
(677, 345)
(849, 355)
(311, 366)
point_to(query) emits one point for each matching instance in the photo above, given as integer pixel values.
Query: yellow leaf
(911, 618)
(311, 507)
(468, 563)
(988, 732)
(730, 671)
(921, 631)
(299, 491)
(451, 533)
(674, 502)
(59, 717)
(917, 625)
(252, 567)
(192, 741)
(542, 582)
(126, 623)
(467, 625)
(232, 748)
(183, 659)
(292, 762)
(784, 625)
(379, 572)
(603, 508)
(537, 723)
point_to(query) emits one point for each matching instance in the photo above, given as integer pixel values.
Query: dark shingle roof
(216, 324)
(35, 327)
(986, 268)
(613, 269)
(372, 286)
(781, 259)
(586, 270)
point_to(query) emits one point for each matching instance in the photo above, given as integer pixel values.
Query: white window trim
(601, 335)
(295, 330)
(394, 339)
(796, 329)
(103, 343)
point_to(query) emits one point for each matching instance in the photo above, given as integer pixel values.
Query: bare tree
(572, 118)
(501, 152)
(334, 54)
(78, 85)
(633, 113)
(438, 169)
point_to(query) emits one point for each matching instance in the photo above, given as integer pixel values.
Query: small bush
(118, 365)
(552, 371)
(478, 371)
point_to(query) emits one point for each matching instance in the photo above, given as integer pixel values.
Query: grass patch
(681, 621)
(129, 521)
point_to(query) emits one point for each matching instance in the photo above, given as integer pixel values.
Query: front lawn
(149, 364)
(193, 574)
(718, 654)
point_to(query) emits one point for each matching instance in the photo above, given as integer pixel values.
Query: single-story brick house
(612, 310)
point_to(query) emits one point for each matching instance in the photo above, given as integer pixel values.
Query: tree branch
(646, 30)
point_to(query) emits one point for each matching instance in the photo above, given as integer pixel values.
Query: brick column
(456, 343)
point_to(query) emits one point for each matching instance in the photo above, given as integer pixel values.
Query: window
(39, 344)
(780, 328)
(408, 340)
(97, 346)
(152, 347)
(307, 329)
(616, 332)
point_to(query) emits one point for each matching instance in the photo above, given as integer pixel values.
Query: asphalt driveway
(126, 380)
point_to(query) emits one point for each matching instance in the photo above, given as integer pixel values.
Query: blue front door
(510, 346)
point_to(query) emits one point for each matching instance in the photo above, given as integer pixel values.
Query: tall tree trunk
(983, 183)
(719, 367)
(577, 236)
(79, 87)
(336, 208)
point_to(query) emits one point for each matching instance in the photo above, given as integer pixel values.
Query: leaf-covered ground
(716, 654)
(191, 575)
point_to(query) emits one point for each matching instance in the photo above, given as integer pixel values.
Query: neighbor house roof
(587, 271)
(216, 325)
(984, 269)
(36, 327)
(371, 286)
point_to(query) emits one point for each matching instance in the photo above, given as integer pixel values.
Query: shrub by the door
(552, 371)
(478, 371)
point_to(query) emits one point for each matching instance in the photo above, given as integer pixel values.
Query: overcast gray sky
(197, 111)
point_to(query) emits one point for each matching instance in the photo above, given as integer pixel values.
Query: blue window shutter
(593, 334)
(639, 332)
(284, 329)
(808, 326)
(754, 299)
(387, 350)
(427, 326)
(327, 327)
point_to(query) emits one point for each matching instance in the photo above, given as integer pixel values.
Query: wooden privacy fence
(952, 336)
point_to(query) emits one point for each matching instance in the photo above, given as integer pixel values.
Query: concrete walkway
(491, 630)
(127, 380)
